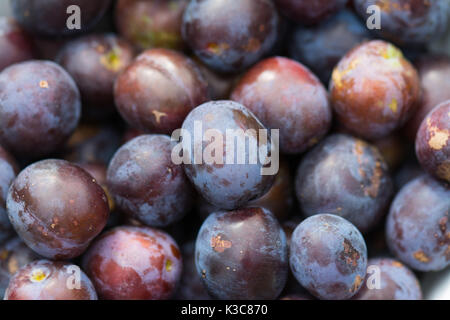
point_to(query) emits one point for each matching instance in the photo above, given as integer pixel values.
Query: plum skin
(157, 91)
(151, 24)
(242, 254)
(38, 120)
(285, 95)
(146, 184)
(328, 256)
(419, 234)
(57, 208)
(345, 176)
(49, 280)
(433, 142)
(373, 102)
(226, 185)
(94, 61)
(397, 282)
(229, 36)
(134, 263)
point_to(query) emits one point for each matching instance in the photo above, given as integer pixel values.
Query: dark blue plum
(321, 47)
(418, 224)
(226, 181)
(309, 12)
(408, 21)
(229, 36)
(345, 176)
(146, 184)
(242, 254)
(389, 279)
(328, 256)
(39, 107)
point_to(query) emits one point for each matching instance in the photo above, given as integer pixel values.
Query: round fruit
(418, 224)
(228, 175)
(157, 91)
(242, 254)
(94, 62)
(146, 184)
(57, 208)
(39, 107)
(433, 142)
(286, 96)
(347, 177)
(50, 280)
(229, 36)
(373, 102)
(134, 263)
(328, 256)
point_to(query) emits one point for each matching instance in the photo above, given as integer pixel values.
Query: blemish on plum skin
(38, 276)
(175, 251)
(220, 245)
(158, 115)
(421, 256)
(169, 265)
(439, 138)
(356, 284)
(350, 255)
(43, 84)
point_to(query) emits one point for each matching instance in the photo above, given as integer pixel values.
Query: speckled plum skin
(14, 254)
(129, 263)
(328, 256)
(374, 102)
(94, 61)
(309, 12)
(242, 254)
(434, 73)
(408, 21)
(8, 171)
(157, 91)
(229, 36)
(49, 17)
(39, 107)
(49, 280)
(397, 282)
(226, 185)
(15, 43)
(345, 176)
(321, 47)
(191, 286)
(146, 184)
(151, 24)
(57, 208)
(433, 142)
(285, 95)
(419, 233)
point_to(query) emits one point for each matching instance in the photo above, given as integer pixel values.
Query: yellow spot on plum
(43, 84)
(217, 48)
(220, 245)
(169, 265)
(438, 138)
(393, 105)
(38, 275)
(111, 60)
(4, 254)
